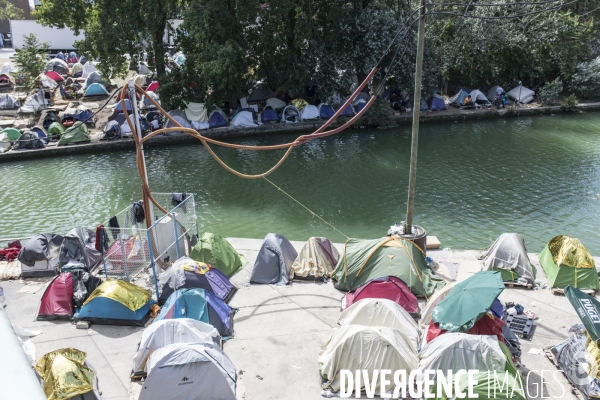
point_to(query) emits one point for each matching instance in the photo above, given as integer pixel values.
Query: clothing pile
(10, 252)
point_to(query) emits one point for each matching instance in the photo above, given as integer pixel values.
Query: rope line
(306, 208)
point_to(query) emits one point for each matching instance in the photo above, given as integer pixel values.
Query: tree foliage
(114, 28)
(9, 11)
(31, 60)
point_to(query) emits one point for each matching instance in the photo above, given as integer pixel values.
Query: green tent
(78, 133)
(56, 129)
(588, 309)
(365, 260)
(214, 250)
(13, 134)
(567, 262)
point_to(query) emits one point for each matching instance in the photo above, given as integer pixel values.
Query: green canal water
(538, 176)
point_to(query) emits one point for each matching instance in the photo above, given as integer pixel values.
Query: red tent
(54, 76)
(57, 300)
(152, 87)
(487, 325)
(388, 287)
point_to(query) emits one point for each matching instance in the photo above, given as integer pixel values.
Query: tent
(56, 129)
(8, 102)
(432, 303)
(83, 60)
(143, 69)
(152, 87)
(88, 68)
(117, 302)
(358, 347)
(146, 103)
(310, 113)
(325, 111)
(13, 134)
(196, 112)
(456, 351)
(72, 58)
(244, 119)
(489, 324)
(507, 386)
(93, 77)
(436, 103)
(217, 119)
(141, 80)
(5, 142)
(47, 82)
(35, 103)
(57, 300)
(170, 331)
(8, 68)
(478, 97)
(218, 252)
(389, 288)
(77, 70)
(365, 260)
(40, 255)
(28, 141)
(40, 134)
(317, 259)
(291, 114)
(348, 111)
(382, 312)
(491, 94)
(200, 305)
(359, 105)
(57, 65)
(269, 115)
(119, 107)
(459, 98)
(6, 82)
(521, 94)
(509, 256)
(78, 249)
(181, 118)
(66, 374)
(260, 92)
(274, 261)
(567, 262)
(275, 104)
(186, 273)
(78, 133)
(191, 371)
(96, 89)
(54, 76)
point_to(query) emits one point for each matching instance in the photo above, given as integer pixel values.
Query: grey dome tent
(8, 102)
(478, 97)
(491, 94)
(274, 261)
(260, 92)
(459, 98)
(509, 256)
(78, 250)
(28, 141)
(39, 255)
(521, 94)
(291, 115)
(191, 371)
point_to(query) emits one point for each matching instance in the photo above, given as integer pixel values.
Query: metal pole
(136, 116)
(415, 123)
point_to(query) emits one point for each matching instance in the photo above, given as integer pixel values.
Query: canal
(538, 176)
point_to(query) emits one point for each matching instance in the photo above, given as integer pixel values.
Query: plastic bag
(80, 291)
(175, 275)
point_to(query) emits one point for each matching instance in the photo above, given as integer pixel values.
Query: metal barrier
(133, 248)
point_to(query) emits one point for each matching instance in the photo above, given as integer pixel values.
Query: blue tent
(217, 119)
(96, 89)
(119, 107)
(200, 305)
(269, 115)
(116, 302)
(459, 98)
(325, 111)
(348, 111)
(360, 104)
(41, 134)
(436, 103)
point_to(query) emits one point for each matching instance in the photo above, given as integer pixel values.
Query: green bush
(550, 92)
(380, 115)
(586, 80)
(570, 103)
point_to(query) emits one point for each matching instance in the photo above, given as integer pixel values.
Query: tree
(9, 11)
(31, 60)
(114, 28)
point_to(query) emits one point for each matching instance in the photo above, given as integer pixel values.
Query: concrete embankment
(98, 146)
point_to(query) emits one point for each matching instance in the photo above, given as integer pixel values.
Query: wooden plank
(586, 291)
(512, 284)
